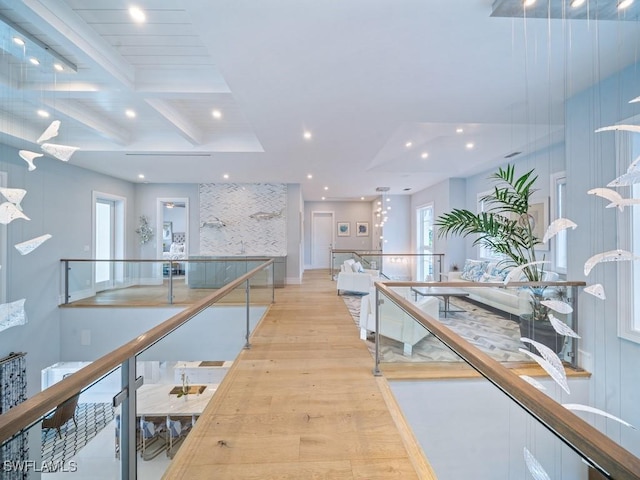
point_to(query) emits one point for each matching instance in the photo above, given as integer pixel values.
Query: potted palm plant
(505, 228)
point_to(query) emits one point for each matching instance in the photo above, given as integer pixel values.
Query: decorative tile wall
(243, 219)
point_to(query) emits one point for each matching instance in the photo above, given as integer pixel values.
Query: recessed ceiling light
(361, 198)
(576, 3)
(307, 135)
(309, 176)
(226, 176)
(408, 144)
(323, 198)
(34, 61)
(141, 176)
(18, 41)
(58, 67)
(43, 113)
(424, 155)
(528, 3)
(137, 14)
(326, 188)
(130, 113)
(216, 114)
(459, 130)
(388, 199)
(624, 4)
(469, 145)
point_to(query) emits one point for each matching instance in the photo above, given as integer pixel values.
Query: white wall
(218, 333)
(591, 163)
(58, 202)
(351, 212)
(468, 429)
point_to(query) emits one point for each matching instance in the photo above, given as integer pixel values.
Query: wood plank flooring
(302, 403)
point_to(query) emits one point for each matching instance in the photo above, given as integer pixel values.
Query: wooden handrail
(31, 410)
(465, 284)
(160, 260)
(380, 254)
(575, 432)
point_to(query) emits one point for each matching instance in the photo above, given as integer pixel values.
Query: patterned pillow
(499, 272)
(473, 270)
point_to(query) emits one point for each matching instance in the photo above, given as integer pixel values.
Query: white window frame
(421, 246)
(628, 221)
(5, 247)
(558, 178)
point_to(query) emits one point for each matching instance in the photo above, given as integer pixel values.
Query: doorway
(321, 239)
(108, 240)
(173, 226)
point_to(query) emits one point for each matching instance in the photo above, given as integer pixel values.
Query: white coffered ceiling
(365, 77)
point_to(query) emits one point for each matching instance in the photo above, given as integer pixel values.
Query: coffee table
(445, 292)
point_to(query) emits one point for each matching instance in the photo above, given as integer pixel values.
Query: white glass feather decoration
(536, 470)
(635, 100)
(634, 167)
(9, 212)
(28, 157)
(61, 152)
(546, 353)
(30, 245)
(597, 290)
(562, 328)
(533, 381)
(12, 314)
(14, 195)
(517, 271)
(560, 377)
(626, 128)
(557, 306)
(597, 411)
(610, 256)
(625, 179)
(614, 197)
(557, 226)
(50, 132)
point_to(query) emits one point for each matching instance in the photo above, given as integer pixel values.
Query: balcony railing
(146, 409)
(540, 433)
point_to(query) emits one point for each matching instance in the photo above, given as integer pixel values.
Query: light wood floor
(302, 403)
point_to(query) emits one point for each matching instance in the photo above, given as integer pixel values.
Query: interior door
(104, 243)
(321, 239)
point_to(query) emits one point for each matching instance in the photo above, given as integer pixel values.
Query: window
(425, 243)
(558, 205)
(628, 239)
(3, 250)
(484, 252)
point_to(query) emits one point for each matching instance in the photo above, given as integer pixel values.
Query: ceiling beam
(93, 121)
(184, 126)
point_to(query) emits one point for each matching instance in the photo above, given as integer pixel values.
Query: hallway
(302, 402)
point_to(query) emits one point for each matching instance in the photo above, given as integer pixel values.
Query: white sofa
(511, 300)
(394, 322)
(353, 278)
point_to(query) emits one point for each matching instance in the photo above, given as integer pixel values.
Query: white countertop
(155, 399)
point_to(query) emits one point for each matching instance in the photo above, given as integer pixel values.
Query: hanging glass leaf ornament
(562, 328)
(516, 272)
(597, 411)
(557, 306)
(30, 245)
(533, 381)
(9, 212)
(557, 226)
(50, 132)
(559, 376)
(14, 195)
(12, 314)
(536, 470)
(597, 290)
(610, 256)
(28, 157)
(61, 152)
(623, 127)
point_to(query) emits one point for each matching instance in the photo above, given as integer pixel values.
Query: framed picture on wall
(539, 219)
(344, 229)
(362, 229)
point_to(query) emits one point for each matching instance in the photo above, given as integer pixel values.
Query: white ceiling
(363, 76)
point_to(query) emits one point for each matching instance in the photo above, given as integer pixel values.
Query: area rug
(495, 335)
(91, 418)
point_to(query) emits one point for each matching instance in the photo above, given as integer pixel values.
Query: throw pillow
(357, 267)
(473, 270)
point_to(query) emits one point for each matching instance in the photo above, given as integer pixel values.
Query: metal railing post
(66, 281)
(170, 282)
(273, 283)
(574, 317)
(247, 345)
(376, 367)
(128, 459)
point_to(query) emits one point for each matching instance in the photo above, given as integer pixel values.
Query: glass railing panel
(75, 440)
(469, 416)
(183, 370)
